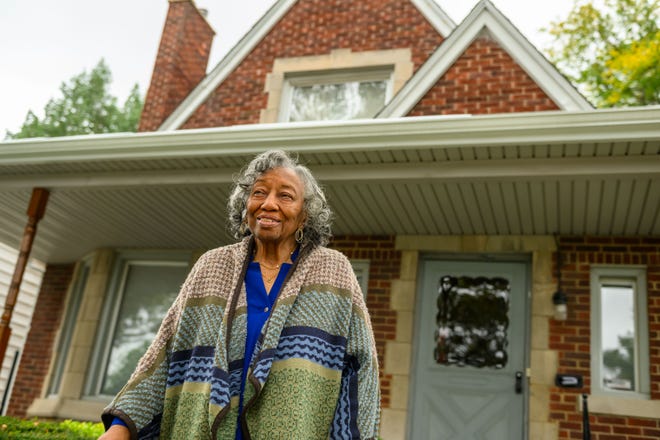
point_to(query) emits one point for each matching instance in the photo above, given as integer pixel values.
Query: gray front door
(469, 365)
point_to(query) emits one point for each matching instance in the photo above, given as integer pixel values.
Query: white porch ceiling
(595, 173)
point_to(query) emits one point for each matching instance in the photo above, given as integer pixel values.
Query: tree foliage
(620, 360)
(611, 50)
(85, 107)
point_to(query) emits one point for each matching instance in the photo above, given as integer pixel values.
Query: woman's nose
(270, 202)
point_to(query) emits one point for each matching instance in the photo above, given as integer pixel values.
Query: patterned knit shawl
(314, 373)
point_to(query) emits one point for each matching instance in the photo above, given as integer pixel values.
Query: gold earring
(243, 229)
(299, 235)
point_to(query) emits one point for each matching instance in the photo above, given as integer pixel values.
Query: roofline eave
(552, 127)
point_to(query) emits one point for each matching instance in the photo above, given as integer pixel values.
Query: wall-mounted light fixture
(559, 298)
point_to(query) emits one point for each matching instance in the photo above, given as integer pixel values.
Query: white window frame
(73, 303)
(635, 275)
(308, 79)
(111, 308)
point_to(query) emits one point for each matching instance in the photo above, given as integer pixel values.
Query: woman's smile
(267, 221)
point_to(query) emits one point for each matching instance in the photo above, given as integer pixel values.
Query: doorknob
(519, 382)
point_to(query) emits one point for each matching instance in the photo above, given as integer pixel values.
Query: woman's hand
(116, 432)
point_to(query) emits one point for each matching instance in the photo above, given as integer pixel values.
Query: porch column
(35, 212)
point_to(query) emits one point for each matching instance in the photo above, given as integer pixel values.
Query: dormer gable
(516, 76)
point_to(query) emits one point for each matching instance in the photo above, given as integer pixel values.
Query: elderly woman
(269, 338)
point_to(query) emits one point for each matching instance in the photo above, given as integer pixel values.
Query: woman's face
(275, 206)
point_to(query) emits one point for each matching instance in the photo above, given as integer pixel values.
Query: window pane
(361, 269)
(350, 100)
(472, 322)
(148, 292)
(618, 337)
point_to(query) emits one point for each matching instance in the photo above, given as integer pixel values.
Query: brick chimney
(181, 62)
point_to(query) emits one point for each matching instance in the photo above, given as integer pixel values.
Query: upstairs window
(338, 95)
(619, 347)
(339, 85)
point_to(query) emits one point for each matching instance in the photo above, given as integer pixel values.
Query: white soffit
(433, 13)
(486, 17)
(462, 131)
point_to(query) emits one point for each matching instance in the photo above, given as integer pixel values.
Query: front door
(469, 367)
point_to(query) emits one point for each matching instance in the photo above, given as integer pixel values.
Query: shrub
(34, 429)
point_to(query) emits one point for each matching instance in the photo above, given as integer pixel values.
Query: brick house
(470, 181)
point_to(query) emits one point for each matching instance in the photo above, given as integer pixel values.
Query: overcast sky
(45, 42)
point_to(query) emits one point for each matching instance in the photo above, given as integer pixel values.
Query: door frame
(523, 258)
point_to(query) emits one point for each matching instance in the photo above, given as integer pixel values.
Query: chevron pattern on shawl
(197, 366)
(194, 365)
(306, 343)
(235, 374)
(312, 344)
(344, 424)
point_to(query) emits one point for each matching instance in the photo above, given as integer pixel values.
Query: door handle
(519, 382)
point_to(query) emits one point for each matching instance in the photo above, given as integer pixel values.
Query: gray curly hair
(317, 229)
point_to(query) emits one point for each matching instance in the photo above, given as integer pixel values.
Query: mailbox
(568, 380)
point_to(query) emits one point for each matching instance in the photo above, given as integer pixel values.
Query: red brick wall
(38, 349)
(180, 64)
(314, 27)
(571, 338)
(385, 264)
(485, 79)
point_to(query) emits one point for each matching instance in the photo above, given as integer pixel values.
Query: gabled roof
(433, 13)
(486, 18)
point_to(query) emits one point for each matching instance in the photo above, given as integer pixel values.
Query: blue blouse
(259, 305)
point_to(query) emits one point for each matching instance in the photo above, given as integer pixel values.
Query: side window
(361, 269)
(619, 332)
(140, 293)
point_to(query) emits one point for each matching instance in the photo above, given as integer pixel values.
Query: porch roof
(587, 172)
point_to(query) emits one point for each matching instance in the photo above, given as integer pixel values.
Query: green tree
(612, 52)
(85, 107)
(620, 360)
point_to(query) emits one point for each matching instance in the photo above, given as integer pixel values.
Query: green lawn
(21, 429)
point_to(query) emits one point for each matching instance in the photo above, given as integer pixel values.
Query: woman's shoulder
(221, 258)
(234, 250)
(325, 254)
(331, 266)
(215, 270)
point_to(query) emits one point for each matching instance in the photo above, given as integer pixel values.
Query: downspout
(35, 212)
